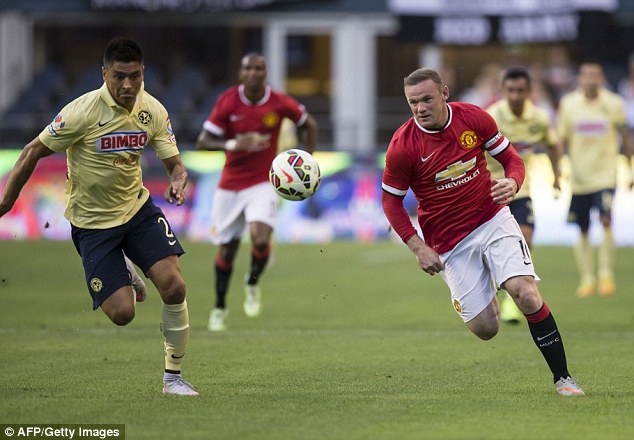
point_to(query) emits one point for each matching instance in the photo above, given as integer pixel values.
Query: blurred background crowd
(344, 59)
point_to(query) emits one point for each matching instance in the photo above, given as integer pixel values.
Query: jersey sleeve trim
(393, 191)
(496, 144)
(213, 128)
(303, 117)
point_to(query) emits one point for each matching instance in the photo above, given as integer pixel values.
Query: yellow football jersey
(591, 130)
(103, 144)
(526, 133)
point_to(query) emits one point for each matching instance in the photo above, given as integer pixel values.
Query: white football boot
(217, 320)
(137, 283)
(252, 306)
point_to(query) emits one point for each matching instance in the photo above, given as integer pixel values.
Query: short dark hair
(253, 55)
(591, 62)
(122, 49)
(422, 74)
(516, 72)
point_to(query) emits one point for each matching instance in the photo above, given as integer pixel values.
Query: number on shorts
(526, 255)
(168, 232)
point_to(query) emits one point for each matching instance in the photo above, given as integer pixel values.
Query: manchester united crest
(271, 120)
(145, 117)
(468, 139)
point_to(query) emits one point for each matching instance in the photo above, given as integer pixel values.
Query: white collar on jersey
(437, 131)
(247, 101)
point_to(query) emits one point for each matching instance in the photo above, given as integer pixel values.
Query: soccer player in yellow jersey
(592, 126)
(528, 127)
(104, 133)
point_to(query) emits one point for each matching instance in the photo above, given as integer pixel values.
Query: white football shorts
(232, 211)
(484, 260)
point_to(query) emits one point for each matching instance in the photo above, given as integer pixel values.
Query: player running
(245, 123)
(528, 127)
(470, 235)
(592, 126)
(104, 133)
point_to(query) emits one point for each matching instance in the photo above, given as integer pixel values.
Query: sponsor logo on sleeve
(55, 126)
(170, 130)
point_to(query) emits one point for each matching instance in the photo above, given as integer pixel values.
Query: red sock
(222, 264)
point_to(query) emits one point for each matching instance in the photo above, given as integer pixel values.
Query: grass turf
(354, 343)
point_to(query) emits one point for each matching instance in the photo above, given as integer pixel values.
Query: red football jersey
(446, 170)
(233, 114)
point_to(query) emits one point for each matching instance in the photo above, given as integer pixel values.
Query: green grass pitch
(354, 343)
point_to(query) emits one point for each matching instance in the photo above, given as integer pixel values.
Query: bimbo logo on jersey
(124, 141)
(592, 128)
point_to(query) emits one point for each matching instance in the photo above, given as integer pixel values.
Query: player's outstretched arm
(250, 141)
(175, 192)
(22, 170)
(628, 149)
(209, 142)
(554, 154)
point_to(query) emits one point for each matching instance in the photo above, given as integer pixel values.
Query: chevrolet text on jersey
(458, 182)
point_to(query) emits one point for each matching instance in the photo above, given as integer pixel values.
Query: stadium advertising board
(181, 5)
(347, 205)
(496, 7)
(475, 22)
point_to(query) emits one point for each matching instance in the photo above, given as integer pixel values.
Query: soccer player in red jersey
(470, 236)
(245, 123)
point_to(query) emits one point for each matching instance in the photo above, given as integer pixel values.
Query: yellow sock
(584, 255)
(175, 328)
(607, 255)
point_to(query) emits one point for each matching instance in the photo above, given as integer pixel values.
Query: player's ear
(445, 92)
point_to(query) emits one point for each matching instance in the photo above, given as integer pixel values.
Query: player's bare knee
(486, 336)
(485, 326)
(524, 292)
(488, 331)
(122, 317)
(174, 291)
(228, 251)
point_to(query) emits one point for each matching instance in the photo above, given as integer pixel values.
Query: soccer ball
(295, 174)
